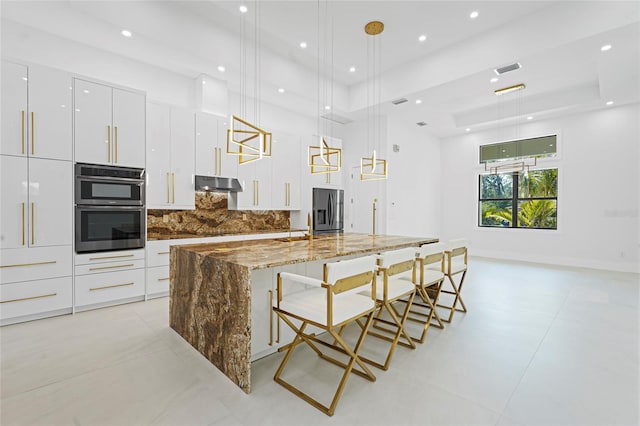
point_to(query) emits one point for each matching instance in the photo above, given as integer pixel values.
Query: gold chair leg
(456, 291)
(344, 348)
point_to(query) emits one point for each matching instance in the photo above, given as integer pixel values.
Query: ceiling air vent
(336, 118)
(399, 101)
(508, 68)
(421, 123)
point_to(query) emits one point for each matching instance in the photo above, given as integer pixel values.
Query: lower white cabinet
(157, 281)
(262, 320)
(109, 288)
(35, 263)
(24, 301)
(109, 278)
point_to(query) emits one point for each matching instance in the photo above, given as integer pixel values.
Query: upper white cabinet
(285, 173)
(211, 147)
(170, 157)
(36, 112)
(255, 178)
(37, 202)
(109, 125)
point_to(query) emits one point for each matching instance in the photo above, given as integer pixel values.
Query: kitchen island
(221, 293)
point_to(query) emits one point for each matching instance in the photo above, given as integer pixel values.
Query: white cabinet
(255, 178)
(104, 279)
(262, 317)
(26, 301)
(211, 147)
(286, 173)
(36, 112)
(37, 202)
(171, 158)
(109, 125)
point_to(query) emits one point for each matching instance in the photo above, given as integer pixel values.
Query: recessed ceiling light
(422, 37)
(204, 82)
(303, 44)
(474, 14)
(126, 33)
(605, 47)
(352, 69)
(529, 118)
(467, 129)
(610, 103)
(281, 90)
(494, 79)
(418, 101)
(243, 9)
(327, 107)
(221, 68)
(85, 91)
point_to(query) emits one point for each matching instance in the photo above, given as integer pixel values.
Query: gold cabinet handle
(270, 318)
(48, 262)
(220, 161)
(110, 286)
(173, 188)
(109, 143)
(22, 131)
(33, 223)
(164, 252)
(120, 256)
(215, 161)
(22, 223)
(29, 298)
(163, 279)
(33, 133)
(115, 145)
(100, 268)
(168, 186)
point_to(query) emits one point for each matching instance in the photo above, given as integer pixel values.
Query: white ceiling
(558, 44)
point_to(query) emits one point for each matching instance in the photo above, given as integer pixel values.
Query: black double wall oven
(110, 212)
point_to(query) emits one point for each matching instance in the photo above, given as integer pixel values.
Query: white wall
(598, 193)
(413, 187)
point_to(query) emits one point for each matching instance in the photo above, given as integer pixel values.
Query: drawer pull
(111, 257)
(29, 264)
(163, 279)
(29, 298)
(164, 252)
(110, 286)
(99, 268)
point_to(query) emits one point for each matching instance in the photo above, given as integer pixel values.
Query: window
(533, 195)
(544, 146)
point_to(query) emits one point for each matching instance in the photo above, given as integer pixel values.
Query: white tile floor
(540, 345)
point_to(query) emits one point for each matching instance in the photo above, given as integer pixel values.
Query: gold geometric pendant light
(373, 168)
(248, 142)
(324, 158)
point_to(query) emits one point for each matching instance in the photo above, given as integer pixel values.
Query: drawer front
(158, 279)
(100, 268)
(107, 287)
(158, 252)
(111, 256)
(35, 297)
(37, 263)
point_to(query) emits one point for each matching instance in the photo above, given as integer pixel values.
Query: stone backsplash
(211, 218)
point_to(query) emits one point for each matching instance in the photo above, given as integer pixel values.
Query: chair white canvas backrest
(336, 271)
(429, 249)
(457, 243)
(458, 261)
(395, 257)
(432, 265)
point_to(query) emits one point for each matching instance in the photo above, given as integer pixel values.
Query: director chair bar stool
(392, 265)
(428, 284)
(329, 305)
(455, 263)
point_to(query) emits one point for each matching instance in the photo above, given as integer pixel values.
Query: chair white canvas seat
(312, 305)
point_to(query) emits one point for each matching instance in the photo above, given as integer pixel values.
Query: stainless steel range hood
(217, 184)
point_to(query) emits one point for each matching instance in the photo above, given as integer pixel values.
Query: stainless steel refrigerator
(328, 210)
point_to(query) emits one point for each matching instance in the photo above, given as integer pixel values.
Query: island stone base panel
(210, 308)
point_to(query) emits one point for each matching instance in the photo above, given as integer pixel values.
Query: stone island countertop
(211, 286)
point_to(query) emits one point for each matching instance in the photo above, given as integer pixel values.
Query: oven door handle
(110, 179)
(112, 207)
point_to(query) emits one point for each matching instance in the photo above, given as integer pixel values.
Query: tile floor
(540, 345)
